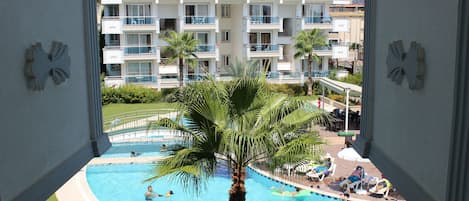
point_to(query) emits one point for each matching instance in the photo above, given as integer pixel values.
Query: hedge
(130, 94)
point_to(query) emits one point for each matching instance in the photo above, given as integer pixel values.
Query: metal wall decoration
(40, 65)
(410, 64)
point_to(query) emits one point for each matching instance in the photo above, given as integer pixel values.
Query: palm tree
(181, 46)
(305, 44)
(237, 123)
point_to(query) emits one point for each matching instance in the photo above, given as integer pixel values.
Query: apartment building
(228, 30)
(352, 15)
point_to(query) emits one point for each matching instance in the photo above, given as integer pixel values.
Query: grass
(109, 111)
(52, 198)
(115, 109)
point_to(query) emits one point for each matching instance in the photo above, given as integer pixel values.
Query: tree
(305, 44)
(237, 123)
(181, 46)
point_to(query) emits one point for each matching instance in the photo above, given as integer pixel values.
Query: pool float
(301, 193)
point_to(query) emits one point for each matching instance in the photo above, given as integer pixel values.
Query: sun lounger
(382, 187)
(319, 176)
(354, 183)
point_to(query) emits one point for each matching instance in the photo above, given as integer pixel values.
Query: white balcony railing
(115, 25)
(199, 23)
(316, 22)
(263, 22)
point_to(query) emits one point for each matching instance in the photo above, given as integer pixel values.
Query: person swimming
(149, 195)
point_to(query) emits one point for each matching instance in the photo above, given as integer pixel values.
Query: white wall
(413, 127)
(39, 129)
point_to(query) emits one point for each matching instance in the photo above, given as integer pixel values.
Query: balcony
(200, 23)
(141, 23)
(139, 78)
(141, 53)
(316, 23)
(206, 52)
(317, 74)
(113, 55)
(263, 23)
(323, 51)
(107, 2)
(265, 50)
(111, 25)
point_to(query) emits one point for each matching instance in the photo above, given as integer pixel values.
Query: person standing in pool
(149, 195)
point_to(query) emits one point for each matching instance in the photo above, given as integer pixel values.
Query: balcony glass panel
(139, 50)
(317, 74)
(318, 20)
(264, 47)
(140, 78)
(199, 20)
(264, 20)
(139, 20)
(205, 48)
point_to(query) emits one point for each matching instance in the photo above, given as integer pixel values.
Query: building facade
(228, 30)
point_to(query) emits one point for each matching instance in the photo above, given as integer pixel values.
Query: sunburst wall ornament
(410, 64)
(40, 65)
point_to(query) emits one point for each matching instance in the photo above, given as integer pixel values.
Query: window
(226, 60)
(112, 40)
(139, 68)
(138, 44)
(113, 69)
(111, 10)
(142, 10)
(225, 10)
(225, 37)
(196, 14)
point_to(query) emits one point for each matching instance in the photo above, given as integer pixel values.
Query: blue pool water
(122, 150)
(124, 183)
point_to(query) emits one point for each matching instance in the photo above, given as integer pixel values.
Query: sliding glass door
(138, 14)
(260, 13)
(260, 41)
(196, 14)
(138, 44)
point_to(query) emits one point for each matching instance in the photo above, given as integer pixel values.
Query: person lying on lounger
(354, 177)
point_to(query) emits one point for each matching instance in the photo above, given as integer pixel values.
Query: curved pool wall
(123, 182)
(144, 149)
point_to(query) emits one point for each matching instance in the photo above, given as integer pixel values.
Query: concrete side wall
(40, 129)
(413, 128)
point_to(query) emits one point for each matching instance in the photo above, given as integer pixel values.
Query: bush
(356, 79)
(130, 94)
(290, 89)
(337, 97)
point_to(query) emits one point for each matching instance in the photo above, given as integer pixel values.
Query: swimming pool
(124, 183)
(122, 150)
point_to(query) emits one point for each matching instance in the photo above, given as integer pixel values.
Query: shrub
(337, 97)
(290, 89)
(130, 94)
(356, 79)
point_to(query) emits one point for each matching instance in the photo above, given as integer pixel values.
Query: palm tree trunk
(310, 79)
(181, 72)
(238, 190)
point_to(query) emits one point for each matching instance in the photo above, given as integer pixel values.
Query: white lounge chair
(382, 187)
(354, 186)
(303, 167)
(319, 176)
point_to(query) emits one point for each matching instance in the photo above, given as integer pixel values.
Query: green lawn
(109, 111)
(52, 198)
(114, 109)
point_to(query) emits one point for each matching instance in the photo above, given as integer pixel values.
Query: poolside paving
(334, 145)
